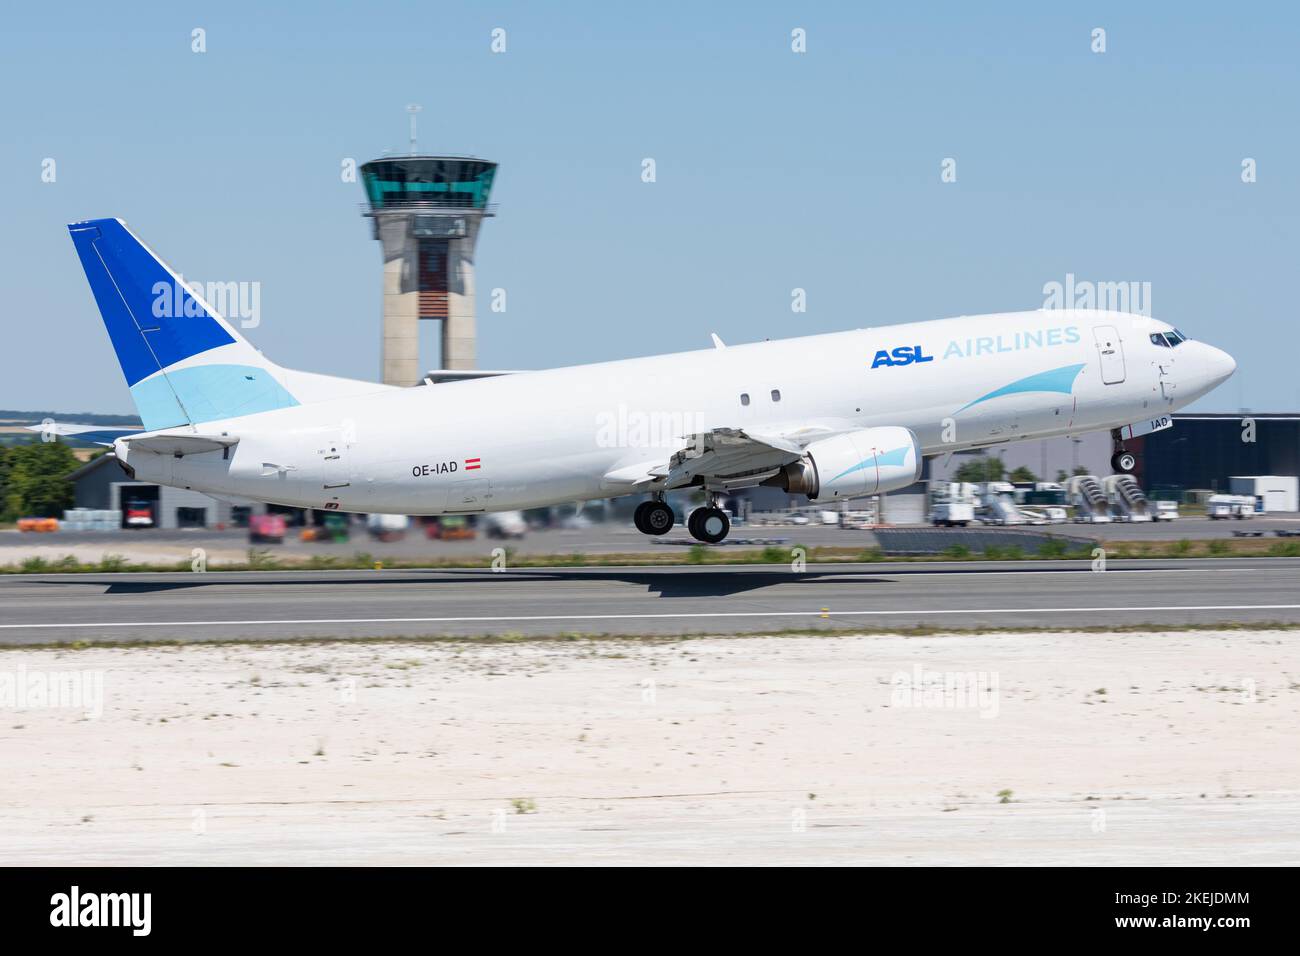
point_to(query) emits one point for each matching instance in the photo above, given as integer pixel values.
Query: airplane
(831, 417)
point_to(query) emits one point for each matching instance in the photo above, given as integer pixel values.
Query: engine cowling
(866, 462)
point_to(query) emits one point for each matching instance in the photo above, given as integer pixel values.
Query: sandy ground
(1158, 748)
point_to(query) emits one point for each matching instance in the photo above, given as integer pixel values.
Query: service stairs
(1089, 499)
(1126, 498)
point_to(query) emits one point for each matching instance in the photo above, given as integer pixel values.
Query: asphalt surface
(37, 609)
(611, 537)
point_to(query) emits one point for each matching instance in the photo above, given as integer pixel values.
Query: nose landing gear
(1121, 461)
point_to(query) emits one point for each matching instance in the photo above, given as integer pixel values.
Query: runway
(41, 609)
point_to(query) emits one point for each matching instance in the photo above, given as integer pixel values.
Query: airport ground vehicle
(946, 514)
(266, 529)
(333, 528)
(138, 513)
(1219, 507)
(450, 528)
(1165, 511)
(387, 527)
(505, 524)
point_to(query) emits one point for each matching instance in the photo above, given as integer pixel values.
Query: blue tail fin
(183, 362)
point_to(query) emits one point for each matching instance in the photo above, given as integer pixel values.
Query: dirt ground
(1073, 748)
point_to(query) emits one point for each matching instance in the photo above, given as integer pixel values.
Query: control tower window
(744, 398)
(776, 394)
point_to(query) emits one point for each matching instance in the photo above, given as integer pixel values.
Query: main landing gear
(709, 524)
(1121, 461)
(653, 517)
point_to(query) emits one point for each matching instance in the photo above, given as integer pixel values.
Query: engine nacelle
(866, 462)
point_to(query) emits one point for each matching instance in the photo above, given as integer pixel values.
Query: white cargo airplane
(830, 416)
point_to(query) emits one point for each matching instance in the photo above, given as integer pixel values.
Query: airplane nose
(1219, 364)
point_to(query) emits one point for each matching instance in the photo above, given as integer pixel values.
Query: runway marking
(817, 612)
(830, 569)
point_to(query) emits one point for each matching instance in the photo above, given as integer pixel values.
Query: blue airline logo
(903, 355)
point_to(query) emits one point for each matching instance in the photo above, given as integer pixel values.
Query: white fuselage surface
(536, 438)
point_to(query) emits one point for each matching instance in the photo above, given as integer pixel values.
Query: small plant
(35, 564)
(957, 552)
(1218, 546)
(112, 562)
(1053, 548)
(697, 554)
(524, 805)
(260, 559)
(1181, 547)
(1004, 796)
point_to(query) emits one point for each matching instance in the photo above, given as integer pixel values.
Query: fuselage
(537, 438)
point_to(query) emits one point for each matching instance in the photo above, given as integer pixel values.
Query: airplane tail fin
(183, 362)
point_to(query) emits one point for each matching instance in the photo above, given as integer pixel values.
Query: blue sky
(775, 170)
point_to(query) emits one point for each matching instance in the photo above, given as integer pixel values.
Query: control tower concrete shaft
(427, 210)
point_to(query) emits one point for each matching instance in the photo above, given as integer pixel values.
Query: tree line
(34, 480)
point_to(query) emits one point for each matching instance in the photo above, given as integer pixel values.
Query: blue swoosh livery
(1054, 380)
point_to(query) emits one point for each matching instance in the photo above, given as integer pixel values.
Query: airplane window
(1174, 339)
(744, 398)
(1158, 339)
(776, 394)
(1182, 336)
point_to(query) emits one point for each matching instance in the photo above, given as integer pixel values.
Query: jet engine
(865, 462)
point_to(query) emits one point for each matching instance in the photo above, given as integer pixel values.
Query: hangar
(100, 484)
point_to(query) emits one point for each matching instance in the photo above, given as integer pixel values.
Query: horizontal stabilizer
(93, 434)
(180, 444)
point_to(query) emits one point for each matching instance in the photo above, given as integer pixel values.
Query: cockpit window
(1158, 338)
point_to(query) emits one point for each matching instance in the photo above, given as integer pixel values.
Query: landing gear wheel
(709, 525)
(1123, 461)
(653, 517)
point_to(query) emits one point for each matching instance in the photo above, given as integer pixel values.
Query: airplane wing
(439, 375)
(720, 459)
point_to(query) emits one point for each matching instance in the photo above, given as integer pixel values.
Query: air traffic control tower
(427, 211)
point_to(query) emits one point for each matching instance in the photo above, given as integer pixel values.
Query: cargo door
(1111, 354)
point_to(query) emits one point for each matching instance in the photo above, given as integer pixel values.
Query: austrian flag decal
(471, 464)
